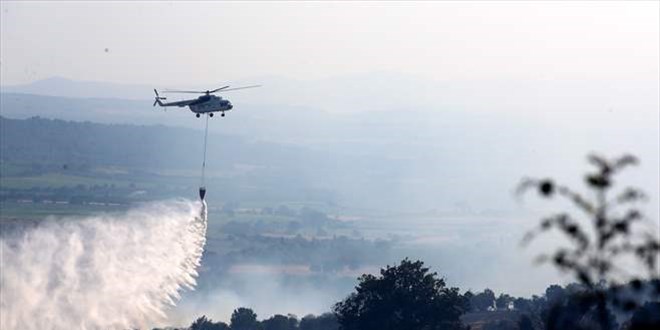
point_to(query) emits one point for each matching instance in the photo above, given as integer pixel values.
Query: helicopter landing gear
(197, 115)
(211, 114)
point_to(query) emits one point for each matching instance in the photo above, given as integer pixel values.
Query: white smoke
(103, 272)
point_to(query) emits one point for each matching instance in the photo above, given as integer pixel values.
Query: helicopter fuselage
(210, 103)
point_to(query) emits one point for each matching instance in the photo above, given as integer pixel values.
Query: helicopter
(206, 103)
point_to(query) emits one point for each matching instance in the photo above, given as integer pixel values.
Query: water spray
(111, 271)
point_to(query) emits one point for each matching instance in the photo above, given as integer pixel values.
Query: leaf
(598, 181)
(599, 162)
(631, 195)
(546, 187)
(577, 199)
(624, 161)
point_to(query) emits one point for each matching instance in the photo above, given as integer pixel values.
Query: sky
(197, 42)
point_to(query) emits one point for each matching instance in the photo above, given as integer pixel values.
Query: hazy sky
(191, 43)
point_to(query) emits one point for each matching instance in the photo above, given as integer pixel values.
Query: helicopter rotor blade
(219, 89)
(237, 88)
(191, 92)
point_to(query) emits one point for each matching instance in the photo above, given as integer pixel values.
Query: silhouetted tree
(204, 323)
(482, 301)
(406, 296)
(280, 322)
(646, 318)
(468, 295)
(326, 321)
(244, 319)
(579, 311)
(503, 301)
(522, 304)
(525, 323)
(555, 294)
(596, 249)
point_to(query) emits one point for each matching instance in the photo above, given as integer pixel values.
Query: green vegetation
(83, 162)
(23, 210)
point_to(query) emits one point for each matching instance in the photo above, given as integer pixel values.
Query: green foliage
(406, 296)
(525, 323)
(326, 321)
(81, 145)
(483, 301)
(244, 319)
(280, 322)
(597, 248)
(204, 323)
(647, 317)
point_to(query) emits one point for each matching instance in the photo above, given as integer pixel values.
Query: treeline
(410, 296)
(83, 144)
(246, 319)
(40, 144)
(81, 194)
(157, 155)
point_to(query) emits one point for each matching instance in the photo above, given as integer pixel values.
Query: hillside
(39, 154)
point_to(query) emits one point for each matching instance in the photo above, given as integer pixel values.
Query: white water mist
(104, 272)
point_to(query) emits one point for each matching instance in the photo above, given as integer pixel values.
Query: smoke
(104, 272)
(265, 294)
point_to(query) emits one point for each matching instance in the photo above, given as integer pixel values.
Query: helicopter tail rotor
(158, 98)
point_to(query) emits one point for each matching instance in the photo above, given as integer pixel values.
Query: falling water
(103, 272)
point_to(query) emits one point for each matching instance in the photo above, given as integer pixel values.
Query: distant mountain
(259, 169)
(389, 92)
(267, 122)
(35, 150)
(58, 86)
(21, 105)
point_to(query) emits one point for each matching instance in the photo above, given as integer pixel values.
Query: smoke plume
(104, 272)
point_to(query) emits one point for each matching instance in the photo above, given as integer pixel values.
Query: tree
(482, 301)
(406, 296)
(580, 311)
(522, 304)
(525, 323)
(555, 294)
(326, 321)
(597, 248)
(204, 323)
(503, 301)
(280, 322)
(244, 319)
(647, 317)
